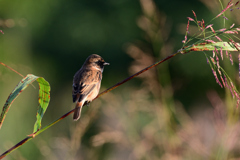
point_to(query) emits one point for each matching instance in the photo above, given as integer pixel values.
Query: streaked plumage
(87, 82)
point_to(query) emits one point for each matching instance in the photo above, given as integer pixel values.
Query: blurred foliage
(174, 111)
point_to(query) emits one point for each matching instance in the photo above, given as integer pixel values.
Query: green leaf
(44, 98)
(206, 46)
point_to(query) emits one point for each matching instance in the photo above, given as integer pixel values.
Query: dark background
(170, 112)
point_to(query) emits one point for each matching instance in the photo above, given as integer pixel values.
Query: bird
(87, 82)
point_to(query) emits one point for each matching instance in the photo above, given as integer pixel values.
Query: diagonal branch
(70, 112)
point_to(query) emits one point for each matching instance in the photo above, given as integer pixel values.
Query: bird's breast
(94, 93)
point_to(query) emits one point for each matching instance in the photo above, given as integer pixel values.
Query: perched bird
(87, 82)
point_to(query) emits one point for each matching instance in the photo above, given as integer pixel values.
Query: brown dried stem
(70, 112)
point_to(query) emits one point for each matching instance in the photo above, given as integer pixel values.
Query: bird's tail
(77, 112)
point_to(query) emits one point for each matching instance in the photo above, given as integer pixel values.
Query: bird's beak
(105, 63)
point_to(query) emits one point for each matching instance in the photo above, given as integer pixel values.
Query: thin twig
(68, 113)
(11, 69)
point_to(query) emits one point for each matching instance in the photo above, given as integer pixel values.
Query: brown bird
(87, 82)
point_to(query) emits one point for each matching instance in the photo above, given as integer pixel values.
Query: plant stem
(68, 113)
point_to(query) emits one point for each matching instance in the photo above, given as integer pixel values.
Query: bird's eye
(98, 63)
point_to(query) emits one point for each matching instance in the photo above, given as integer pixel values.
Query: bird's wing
(84, 82)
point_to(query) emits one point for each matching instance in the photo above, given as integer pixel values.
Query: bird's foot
(87, 103)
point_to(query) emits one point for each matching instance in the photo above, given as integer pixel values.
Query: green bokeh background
(52, 39)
